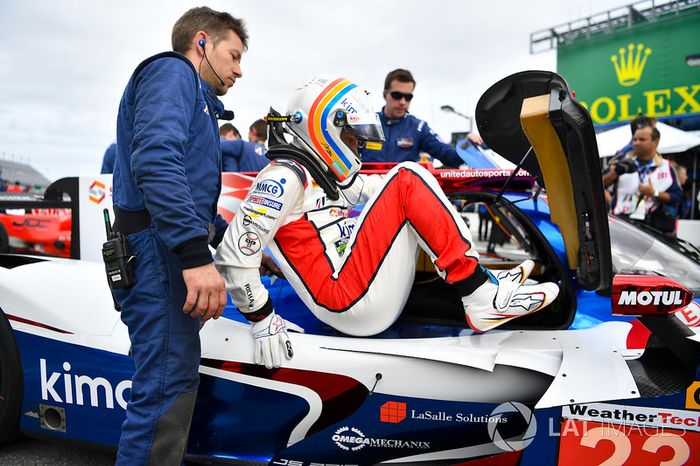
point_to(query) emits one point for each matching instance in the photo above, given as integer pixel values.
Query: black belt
(127, 222)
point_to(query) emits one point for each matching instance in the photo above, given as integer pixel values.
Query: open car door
(534, 111)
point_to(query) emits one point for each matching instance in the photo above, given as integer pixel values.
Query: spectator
(228, 132)
(406, 135)
(645, 186)
(640, 121)
(167, 179)
(637, 122)
(687, 198)
(108, 158)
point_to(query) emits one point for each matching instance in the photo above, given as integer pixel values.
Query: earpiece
(202, 43)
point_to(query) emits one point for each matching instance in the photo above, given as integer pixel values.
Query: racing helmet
(320, 111)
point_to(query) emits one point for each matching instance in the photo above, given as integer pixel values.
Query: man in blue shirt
(228, 132)
(108, 159)
(167, 180)
(407, 136)
(241, 156)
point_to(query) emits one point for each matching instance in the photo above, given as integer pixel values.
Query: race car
(608, 374)
(34, 231)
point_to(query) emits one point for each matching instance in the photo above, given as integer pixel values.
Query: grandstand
(26, 174)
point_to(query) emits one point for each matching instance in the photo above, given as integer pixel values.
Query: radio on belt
(116, 254)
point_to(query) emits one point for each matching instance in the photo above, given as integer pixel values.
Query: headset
(202, 43)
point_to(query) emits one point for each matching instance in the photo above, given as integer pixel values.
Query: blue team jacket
(243, 156)
(168, 153)
(406, 138)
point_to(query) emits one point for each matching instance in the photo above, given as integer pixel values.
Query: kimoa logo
(630, 65)
(645, 298)
(72, 388)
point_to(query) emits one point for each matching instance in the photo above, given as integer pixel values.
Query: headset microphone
(202, 43)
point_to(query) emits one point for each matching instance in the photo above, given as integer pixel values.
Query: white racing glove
(272, 341)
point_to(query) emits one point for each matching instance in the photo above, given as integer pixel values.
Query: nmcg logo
(630, 65)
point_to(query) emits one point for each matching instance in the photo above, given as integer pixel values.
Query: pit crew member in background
(257, 133)
(407, 136)
(166, 186)
(645, 186)
(353, 272)
(238, 155)
(228, 132)
(108, 159)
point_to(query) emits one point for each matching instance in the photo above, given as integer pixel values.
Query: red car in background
(36, 231)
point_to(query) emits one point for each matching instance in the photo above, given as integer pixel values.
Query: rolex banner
(640, 69)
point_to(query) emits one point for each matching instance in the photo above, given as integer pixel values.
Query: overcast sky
(64, 64)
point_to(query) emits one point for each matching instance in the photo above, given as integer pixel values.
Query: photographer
(645, 186)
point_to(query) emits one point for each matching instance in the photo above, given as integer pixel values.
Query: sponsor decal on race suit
(270, 188)
(64, 387)
(249, 243)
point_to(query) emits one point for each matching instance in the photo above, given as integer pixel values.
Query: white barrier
(689, 230)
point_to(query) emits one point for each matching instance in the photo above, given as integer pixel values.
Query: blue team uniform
(168, 172)
(243, 156)
(406, 138)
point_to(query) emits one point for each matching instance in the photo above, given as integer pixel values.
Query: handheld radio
(116, 254)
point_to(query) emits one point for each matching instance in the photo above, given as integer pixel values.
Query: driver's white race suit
(353, 271)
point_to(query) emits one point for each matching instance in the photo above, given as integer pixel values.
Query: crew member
(167, 180)
(406, 135)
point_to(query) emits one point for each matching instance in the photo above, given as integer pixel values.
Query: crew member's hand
(475, 138)
(206, 292)
(271, 341)
(269, 267)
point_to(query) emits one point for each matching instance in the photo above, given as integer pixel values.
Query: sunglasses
(396, 95)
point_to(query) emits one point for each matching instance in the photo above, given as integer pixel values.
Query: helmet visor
(366, 126)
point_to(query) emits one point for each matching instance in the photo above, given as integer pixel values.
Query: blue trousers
(166, 349)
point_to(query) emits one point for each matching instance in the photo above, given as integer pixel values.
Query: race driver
(354, 272)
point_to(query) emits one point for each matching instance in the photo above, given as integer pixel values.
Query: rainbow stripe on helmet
(318, 126)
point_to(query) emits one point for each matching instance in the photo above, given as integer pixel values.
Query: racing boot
(505, 297)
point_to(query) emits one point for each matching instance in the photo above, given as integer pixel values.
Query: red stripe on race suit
(406, 198)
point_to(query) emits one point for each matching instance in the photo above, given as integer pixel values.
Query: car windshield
(634, 249)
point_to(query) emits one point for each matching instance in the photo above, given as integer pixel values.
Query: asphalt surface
(26, 452)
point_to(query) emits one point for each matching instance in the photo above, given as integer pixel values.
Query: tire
(4, 240)
(11, 383)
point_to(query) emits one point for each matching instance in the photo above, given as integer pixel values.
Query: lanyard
(643, 171)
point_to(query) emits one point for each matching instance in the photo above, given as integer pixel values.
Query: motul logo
(645, 298)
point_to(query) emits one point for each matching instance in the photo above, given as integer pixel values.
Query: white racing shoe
(494, 304)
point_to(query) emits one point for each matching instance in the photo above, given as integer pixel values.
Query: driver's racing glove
(271, 340)
(505, 297)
